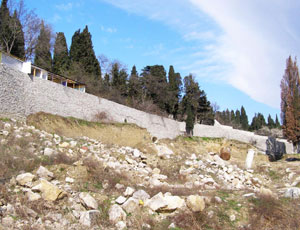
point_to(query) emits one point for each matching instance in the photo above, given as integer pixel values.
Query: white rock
(25, 179)
(64, 145)
(173, 203)
(5, 133)
(31, 196)
(218, 199)
(195, 203)
(88, 201)
(131, 205)
(48, 152)
(232, 217)
(44, 173)
(7, 126)
(7, 221)
(73, 144)
(157, 202)
(136, 153)
(121, 225)
(116, 214)
(163, 151)
(129, 191)
(120, 200)
(69, 180)
(293, 192)
(89, 218)
(141, 195)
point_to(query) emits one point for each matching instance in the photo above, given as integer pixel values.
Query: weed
(5, 119)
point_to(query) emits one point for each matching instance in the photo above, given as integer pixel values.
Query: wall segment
(21, 95)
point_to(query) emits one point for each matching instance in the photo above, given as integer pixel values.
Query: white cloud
(244, 43)
(65, 6)
(108, 29)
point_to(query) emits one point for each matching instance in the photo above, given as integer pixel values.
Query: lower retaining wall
(21, 96)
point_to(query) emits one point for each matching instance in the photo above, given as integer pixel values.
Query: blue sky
(235, 49)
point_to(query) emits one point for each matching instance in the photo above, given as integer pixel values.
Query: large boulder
(293, 192)
(157, 202)
(275, 149)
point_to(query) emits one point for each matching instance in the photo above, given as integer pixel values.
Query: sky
(235, 49)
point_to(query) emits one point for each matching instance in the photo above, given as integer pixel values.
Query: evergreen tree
(18, 48)
(175, 85)
(277, 123)
(244, 119)
(237, 117)
(61, 60)
(258, 122)
(134, 85)
(271, 123)
(189, 123)
(290, 102)
(154, 83)
(5, 30)
(82, 51)
(42, 50)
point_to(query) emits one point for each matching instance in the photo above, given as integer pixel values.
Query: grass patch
(5, 119)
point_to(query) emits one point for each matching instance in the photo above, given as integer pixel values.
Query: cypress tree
(189, 123)
(43, 57)
(61, 60)
(82, 51)
(134, 85)
(175, 84)
(5, 30)
(277, 123)
(237, 117)
(271, 123)
(244, 119)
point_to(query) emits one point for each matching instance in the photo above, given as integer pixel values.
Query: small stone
(116, 214)
(7, 221)
(73, 144)
(156, 171)
(89, 218)
(121, 225)
(119, 186)
(141, 195)
(49, 191)
(88, 201)
(136, 153)
(157, 202)
(48, 152)
(218, 199)
(129, 191)
(120, 200)
(31, 196)
(173, 203)
(292, 193)
(69, 180)
(64, 145)
(232, 217)
(44, 173)
(266, 192)
(131, 205)
(24, 179)
(196, 203)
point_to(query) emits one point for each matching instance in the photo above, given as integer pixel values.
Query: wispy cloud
(65, 6)
(108, 29)
(244, 43)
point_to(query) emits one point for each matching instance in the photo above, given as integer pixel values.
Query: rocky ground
(54, 181)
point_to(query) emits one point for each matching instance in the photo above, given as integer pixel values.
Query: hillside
(65, 173)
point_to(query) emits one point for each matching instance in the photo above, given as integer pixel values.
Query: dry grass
(122, 134)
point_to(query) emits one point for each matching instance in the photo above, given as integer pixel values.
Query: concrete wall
(23, 95)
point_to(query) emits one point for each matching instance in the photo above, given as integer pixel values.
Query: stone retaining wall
(21, 96)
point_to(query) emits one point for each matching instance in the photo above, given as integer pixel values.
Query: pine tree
(244, 119)
(271, 123)
(82, 51)
(61, 60)
(18, 48)
(43, 57)
(290, 102)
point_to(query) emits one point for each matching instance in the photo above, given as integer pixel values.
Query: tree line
(239, 120)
